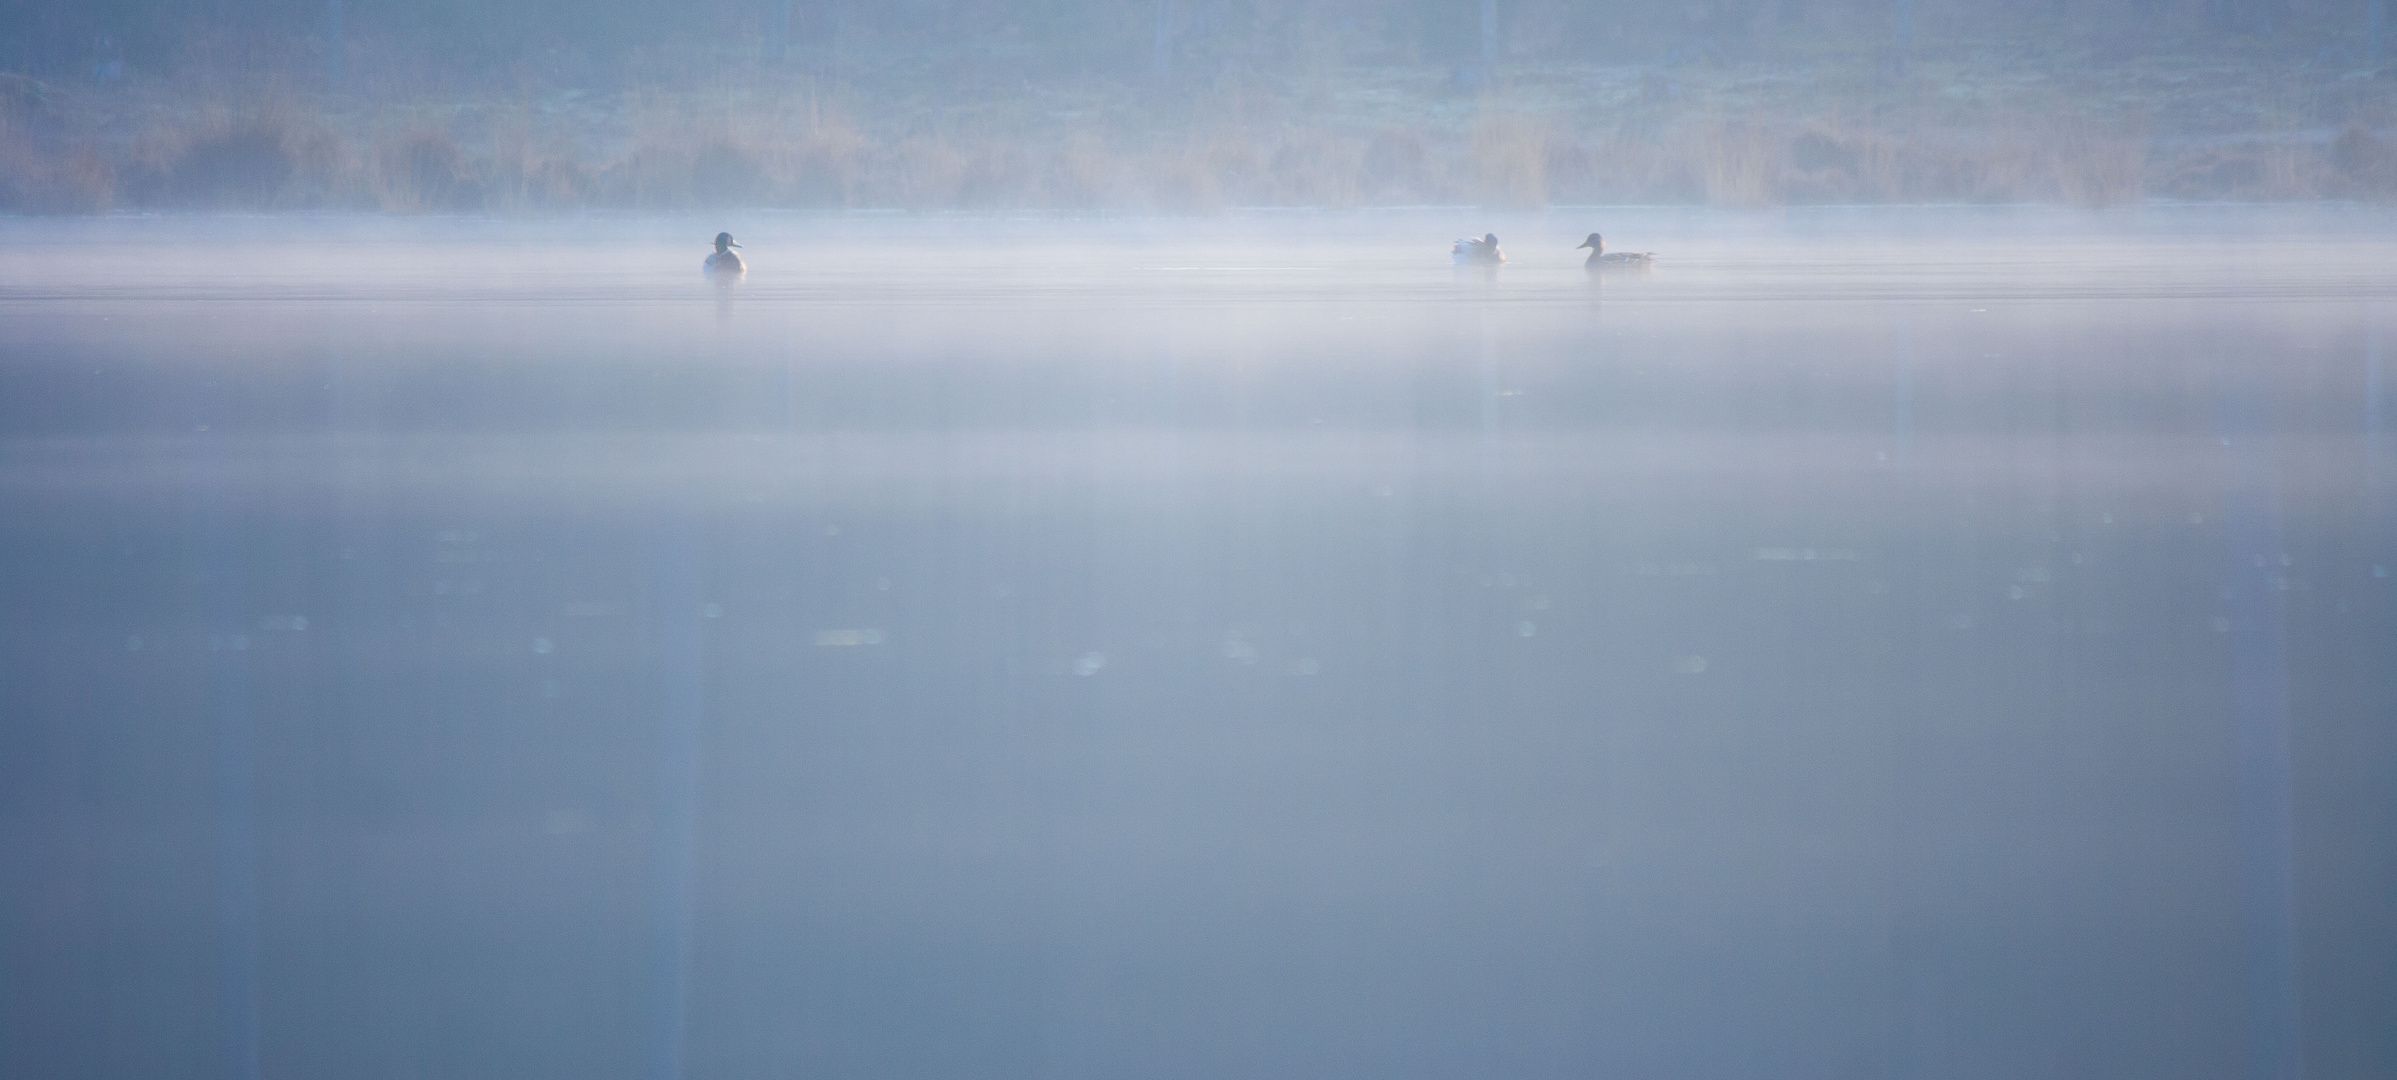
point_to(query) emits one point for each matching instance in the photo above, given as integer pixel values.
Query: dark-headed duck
(1483, 251)
(1600, 258)
(724, 261)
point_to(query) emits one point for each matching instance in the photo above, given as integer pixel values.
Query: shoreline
(1535, 135)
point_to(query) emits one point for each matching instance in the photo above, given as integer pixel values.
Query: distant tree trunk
(1489, 33)
(778, 32)
(1161, 52)
(333, 44)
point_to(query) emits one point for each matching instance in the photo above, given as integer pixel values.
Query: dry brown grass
(39, 180)
(424, 170)
(769, 139)
(1509, 163)
(2363, 165)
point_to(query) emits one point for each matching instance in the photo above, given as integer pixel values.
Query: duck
(724, 261)
(1599, 259)
(1483, 251)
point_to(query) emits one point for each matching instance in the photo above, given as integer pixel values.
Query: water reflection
(1201, 647)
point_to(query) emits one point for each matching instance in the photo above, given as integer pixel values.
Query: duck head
(1490, 239)
(724, 240)
(1594, 243)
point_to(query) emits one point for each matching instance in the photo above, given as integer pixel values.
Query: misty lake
(1873, 643)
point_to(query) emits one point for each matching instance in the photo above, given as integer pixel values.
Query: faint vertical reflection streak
(230, 702)
(2372, 408)
(2253, 579)
(1901, 421)
(681, 658)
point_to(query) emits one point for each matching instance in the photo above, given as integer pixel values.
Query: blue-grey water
(1904, 643)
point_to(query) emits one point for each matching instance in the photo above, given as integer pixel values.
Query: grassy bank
(1989, 127)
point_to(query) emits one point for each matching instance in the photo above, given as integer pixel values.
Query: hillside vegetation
(1829, 113)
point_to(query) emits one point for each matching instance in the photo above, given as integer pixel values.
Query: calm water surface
(1911, 643)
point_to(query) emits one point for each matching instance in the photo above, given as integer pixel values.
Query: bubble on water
(133, 644)
(1089, 663)
(1689, 665)
(543, 645)
(2221, 625)
(1525, 629)
(1305, 665)
(1960, 622)
(2197, 519)
(1238, 650)
(712, 611)
(2379, 571)
(550, 688)
(882, 584)
(844, 638)
(2014, 592)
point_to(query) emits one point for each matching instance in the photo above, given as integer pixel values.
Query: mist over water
(1896, 642)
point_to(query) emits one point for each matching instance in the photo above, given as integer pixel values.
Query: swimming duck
(1484, 251)
(724, 261)
(1600, 259)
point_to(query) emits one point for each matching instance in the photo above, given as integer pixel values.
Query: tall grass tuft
(424, 170)
(243, 164)
(2364, 164)
(41, 181)
(1738, 163)
(42, 170)
(1394, 167)
(1509, 163)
